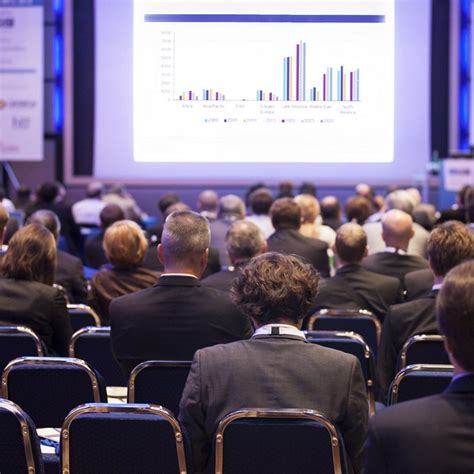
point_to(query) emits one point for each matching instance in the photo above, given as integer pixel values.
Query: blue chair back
(121, 439)
(416, 381)
(160, 382)
(354, 344)
(92, 344)
(82, 316)
(423, 349)
(47, 388)
(255, 441)
(19, 444)
(359, 321)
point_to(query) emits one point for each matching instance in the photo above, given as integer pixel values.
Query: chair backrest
(160, 382)
(420, 380)
(354, 344)
(423, 349)
(359, 321)
(17, 341)
(47, 388)
(92, 344)
(82, 315)
(122, 438)
(257, 440)
(20, 448)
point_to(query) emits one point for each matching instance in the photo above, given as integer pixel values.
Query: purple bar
(352, 75)
(190, 95)
(314, 93)
(217, 95)
(342, 83)
(271, 96)
(287, 78)
(297, 72)
(324, 86)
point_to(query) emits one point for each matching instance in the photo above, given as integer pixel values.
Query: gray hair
(244, 240)
(186, 236)
(47, 219)
(230, 204)
(400, 199)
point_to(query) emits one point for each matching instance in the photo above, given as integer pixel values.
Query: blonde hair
(309, 206)
(125, 244)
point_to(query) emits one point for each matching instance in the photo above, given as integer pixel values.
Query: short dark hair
(274, 287)
(261, 200)
(285, 214)
(449, 245)
(358, 209)
(167, 200)
(455, 312)
(351, 242)
(330, 207)
(47, 192)
(110, 214)
(48, 219)
(31, 255)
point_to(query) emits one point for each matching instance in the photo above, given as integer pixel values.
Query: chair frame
(63, 291)
(150, 363)
(24, 330)
(135, 408)
(402, 358)
(85, 330)
(72, 362)
(393, 396)
(25, 433)
(290, 413)
(368, 354)
(349, 313)
(83, 308)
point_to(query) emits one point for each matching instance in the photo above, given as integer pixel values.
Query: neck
(398, 245)
(280, 321)
(438, 280)
(185, 269)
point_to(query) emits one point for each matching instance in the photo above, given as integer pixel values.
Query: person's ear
(366, 251)
(160, 254)
(203, 260)
(264, 247)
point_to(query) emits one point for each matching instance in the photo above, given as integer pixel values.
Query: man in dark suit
(286, 219)
(243, 241)
(69, 269)
(397, 231)
(177, 315)
(354, 287)
(277, 367)
(435, 434)
(331, 212)
(448, 245)
(418, 284)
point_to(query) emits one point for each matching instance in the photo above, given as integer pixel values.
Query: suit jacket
(273, 372)
(70, 275)
(430, 435)
(172, 320)
(418, 284)
(290, 241)
(40, 307)
(402, 322)
(354, 287)
(394, 264)
(219, 229)
(94, 251)
(223, 280)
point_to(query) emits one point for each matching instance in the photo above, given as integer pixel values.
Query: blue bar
(207, 95)
(200, 18)
(284, 78)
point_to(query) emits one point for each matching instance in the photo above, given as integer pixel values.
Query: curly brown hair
(274, 287)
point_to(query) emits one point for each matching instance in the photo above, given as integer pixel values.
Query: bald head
(397, 229)
(351, 243)
(208, 200)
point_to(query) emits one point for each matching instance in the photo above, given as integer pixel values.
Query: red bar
(324, 86)
(297, 72)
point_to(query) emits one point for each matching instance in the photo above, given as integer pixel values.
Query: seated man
(449, 245)
(286, 219)
(397, 231)
(243, 241)
(277, 367)
(177, 316)
(354, 287)
(434, 434)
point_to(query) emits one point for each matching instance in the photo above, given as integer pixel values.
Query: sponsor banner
(458, 173)
(21, 80)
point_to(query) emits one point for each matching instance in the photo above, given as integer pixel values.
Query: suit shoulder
(68, 258)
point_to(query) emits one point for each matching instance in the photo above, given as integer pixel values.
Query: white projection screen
(236, 91)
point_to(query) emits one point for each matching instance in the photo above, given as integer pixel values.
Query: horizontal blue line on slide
(17, 71)
(163, 18)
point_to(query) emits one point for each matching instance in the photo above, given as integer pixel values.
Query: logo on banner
(7, 22)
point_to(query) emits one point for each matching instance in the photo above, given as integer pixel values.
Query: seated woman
(125, 246)
(27, 297)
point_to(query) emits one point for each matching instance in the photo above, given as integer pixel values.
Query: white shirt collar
(179, 274)
(395, 250)
(280, 330)
(437, 286)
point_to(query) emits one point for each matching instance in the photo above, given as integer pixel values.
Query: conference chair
(354, 344)
(62, 290)
(420, 380)
(82, 315)
(359, 321)
(17, 341)
(423, 349)
(160, 382)
(20, 447)
(99, 438)
(257, 440)
(92, 344)
(47, 388)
